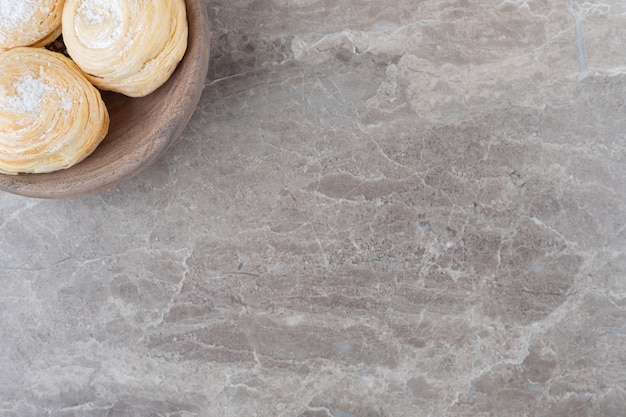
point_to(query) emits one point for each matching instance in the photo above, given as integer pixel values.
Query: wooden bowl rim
(74, 181)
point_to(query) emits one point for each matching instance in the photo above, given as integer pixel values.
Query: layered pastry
(51, 117)
(127, 46)
(29, 22)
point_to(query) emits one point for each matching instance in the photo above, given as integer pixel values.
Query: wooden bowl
(140, 130)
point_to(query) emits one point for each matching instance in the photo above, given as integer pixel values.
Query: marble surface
(392, 208)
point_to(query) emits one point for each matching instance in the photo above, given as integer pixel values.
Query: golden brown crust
(51, 117)
(128, 46)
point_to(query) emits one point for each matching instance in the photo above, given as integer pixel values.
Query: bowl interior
(140, 129)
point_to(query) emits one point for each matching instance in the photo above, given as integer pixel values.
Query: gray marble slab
(379, 209)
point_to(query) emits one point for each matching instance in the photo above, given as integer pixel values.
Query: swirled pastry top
(51, 117)
(128, 46)
(29, 22)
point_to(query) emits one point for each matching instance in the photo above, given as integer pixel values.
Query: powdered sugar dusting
(66, 103)
(95, 11)
(29, 94)
(14, 13)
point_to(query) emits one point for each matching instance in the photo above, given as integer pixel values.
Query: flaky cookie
(29, 22)
(128, 46)
(51, 117)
